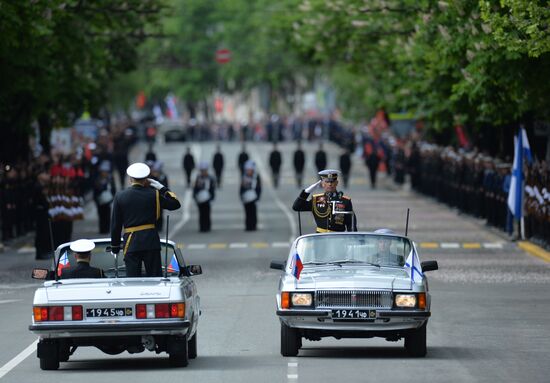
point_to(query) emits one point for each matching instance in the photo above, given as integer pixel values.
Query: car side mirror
(42, 274)
(429, 266)
(194, 269)
(277, 265)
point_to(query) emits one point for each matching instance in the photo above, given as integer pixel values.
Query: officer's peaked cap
(82, 246)
(329, 174)
(138, 170)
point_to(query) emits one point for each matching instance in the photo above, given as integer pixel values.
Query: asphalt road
(490, 301)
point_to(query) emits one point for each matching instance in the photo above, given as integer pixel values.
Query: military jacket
(321, 207)
(135, 212)
(82, 270)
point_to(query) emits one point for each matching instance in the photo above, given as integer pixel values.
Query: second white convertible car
(353, 285)
(115, 313)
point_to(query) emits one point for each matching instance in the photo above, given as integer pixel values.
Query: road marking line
(292, 376)
(196, 246)
(429, 245)
(26, 249)
(292, 364)
(280, 244)
(217, 246)
(260, 245)
(472, 245)
(238, 245)
(18, 359)
(534, 250)
(9, 301)
(494, 245)
(291, 217)
(450, 245)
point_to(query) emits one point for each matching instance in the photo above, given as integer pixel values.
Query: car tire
(49, 363)
(415, 342)
(179, 358)
(290, 341)
(192, 346)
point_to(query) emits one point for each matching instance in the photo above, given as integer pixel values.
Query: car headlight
(302, 299)
(405, 300)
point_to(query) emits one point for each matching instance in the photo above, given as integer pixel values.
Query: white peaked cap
(138, 170)
(82, 246)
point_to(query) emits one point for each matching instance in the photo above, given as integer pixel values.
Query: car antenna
(53, 248)
(116, 265)
(300, 223)
(407, 223)
(166, 249)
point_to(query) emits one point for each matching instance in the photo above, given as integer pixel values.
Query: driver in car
(82, 250)
(384, 256)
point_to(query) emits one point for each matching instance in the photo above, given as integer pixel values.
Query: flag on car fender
(296, 266)
(173, 266)
(413, 267)
(63, 264)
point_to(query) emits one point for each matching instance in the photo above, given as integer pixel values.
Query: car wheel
(49, 363)
(290, 341)
(415, 342)
(192, 347)
(179, 356)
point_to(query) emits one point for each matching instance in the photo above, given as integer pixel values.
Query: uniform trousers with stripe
(151, 260)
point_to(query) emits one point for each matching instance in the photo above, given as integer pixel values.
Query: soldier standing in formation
(217, 164)
(188, 165)
(320, 158)
(82, 250)
(203, 194)
(322, 204)
(345, 166)
(135, 211)
(243, 157)
(42, 240)
(250, 191)
(299, 163)
(104, 193)
(275, 162)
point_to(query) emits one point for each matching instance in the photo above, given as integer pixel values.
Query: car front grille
(353, 298)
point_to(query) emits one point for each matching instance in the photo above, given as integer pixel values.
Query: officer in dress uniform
(203, 194)
(275, 162)
(299, 162)
(217, 164)
(322, 204)
(188, 164)
(135, 211)
(82, 250)
(251, 188)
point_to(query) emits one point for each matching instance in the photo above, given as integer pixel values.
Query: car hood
(354, 278)
(107, 289)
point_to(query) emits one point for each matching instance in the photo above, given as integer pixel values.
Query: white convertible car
(353, 285)
(115, 313)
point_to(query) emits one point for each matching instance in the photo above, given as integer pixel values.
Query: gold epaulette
(318, 195)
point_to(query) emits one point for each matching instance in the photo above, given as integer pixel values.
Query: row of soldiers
(478, 185)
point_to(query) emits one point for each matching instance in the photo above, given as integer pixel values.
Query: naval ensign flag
(515, 195)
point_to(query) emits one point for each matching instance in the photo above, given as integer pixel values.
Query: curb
(534, 250)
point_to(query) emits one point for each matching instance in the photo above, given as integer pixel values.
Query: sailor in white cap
(82, 250)
(251, 189)
(203, 194)
(332, 210)
(135, 212)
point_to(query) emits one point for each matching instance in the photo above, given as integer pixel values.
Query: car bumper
(385, 320)
(64, 330)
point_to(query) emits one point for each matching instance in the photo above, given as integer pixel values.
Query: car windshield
(101, 258)
(356, 249)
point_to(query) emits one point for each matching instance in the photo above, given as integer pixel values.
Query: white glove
(311, 187)
(155, 184)
(114, 254)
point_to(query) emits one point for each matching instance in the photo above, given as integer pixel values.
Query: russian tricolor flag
(63, 264)
(297, 266)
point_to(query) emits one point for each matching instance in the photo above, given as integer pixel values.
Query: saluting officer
(82, 250)
(203, 193)
(321, 205)
(135, 211)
